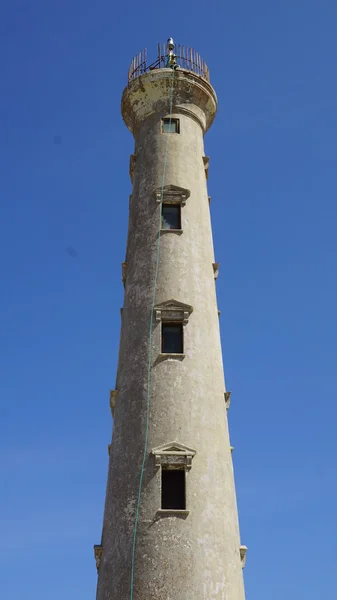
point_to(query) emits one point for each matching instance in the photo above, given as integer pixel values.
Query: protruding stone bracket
(132, 166)
(227, 399)
(209, 200)
(173, 455)
(124, 271)
(243, 552)
(113, 396)
(109, 448)
(232, 449)
(98, 551)
(121, 311)
(206, 164)
(171, 194)
(172, 310)
(216, 270)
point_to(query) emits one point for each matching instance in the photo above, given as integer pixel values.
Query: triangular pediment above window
(172, 194)
(173, 448)
(173, 310)
(173, 305)
(173, 454)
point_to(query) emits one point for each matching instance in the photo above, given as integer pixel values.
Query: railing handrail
(187, 58)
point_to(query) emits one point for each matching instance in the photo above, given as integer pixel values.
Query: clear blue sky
(64, 154)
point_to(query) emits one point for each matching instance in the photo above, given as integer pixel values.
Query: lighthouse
(170, 525)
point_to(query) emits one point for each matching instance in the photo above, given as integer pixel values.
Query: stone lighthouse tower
(170, 529)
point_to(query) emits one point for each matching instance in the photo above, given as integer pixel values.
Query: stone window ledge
(177, 231)
(170, 355)
(172, 512)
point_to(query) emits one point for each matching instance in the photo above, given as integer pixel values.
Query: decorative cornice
(171, 194)
(192, 93)
(113, 396)
(98, 551)
(227, 399)
(243, 553)
(216, 270)
(173, 310)
(173, 455)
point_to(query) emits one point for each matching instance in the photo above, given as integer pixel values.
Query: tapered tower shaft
(186, 545)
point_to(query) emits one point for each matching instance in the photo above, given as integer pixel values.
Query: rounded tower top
(153, 88)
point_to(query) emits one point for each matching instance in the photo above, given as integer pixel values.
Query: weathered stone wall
(192, 556)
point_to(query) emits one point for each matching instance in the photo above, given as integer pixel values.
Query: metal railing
(186, 58)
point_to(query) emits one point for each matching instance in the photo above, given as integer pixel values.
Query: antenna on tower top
(171, 58)
(170, 45)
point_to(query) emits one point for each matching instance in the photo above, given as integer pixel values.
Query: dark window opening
(173, 489)
(172, 338)
(171, 216)
(170, 126)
